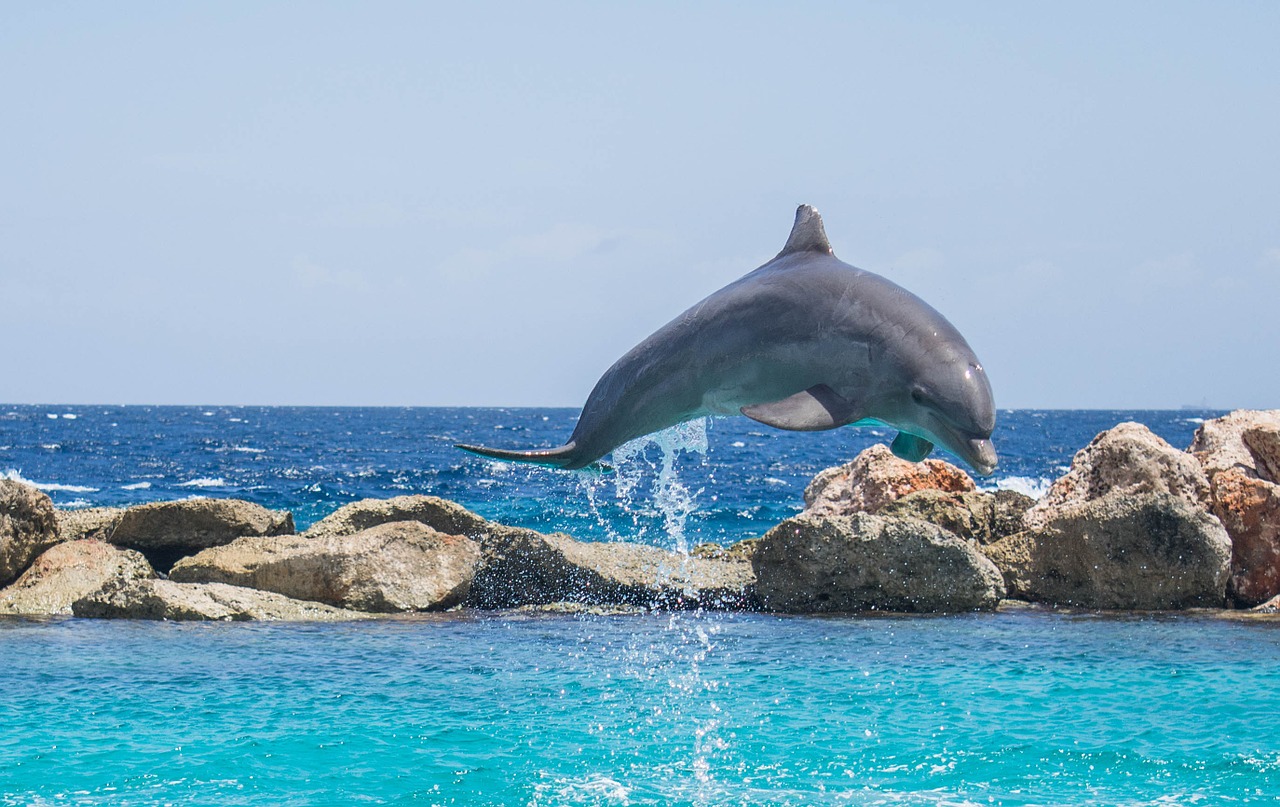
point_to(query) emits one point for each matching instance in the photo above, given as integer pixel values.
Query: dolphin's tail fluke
(566, 456)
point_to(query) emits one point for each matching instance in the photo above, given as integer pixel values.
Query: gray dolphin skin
(805, 343)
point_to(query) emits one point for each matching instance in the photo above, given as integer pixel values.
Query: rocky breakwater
(862, 545)
(519, 567)
(1240, 455)
(1127, 527)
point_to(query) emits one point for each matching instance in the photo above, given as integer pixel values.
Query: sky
(488, 203)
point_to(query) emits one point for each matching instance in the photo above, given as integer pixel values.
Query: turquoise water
(1020, 708)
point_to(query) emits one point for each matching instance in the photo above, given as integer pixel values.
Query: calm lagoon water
(1023, 707)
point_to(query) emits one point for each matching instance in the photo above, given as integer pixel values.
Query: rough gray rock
(876, 477)
(812, 564)
(441, 515)
(1153, 551)
(398, 566)
(94, 523)
(1220, 445)
(168, 531)
(1128, 460)
(28, 526)
(69, 571)
(523, 567)
(979, 516)
(165, 599)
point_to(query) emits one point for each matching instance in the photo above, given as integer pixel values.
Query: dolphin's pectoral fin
(909, 447)
(813, 410)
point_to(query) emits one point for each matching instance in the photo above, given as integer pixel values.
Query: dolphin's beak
(981, 455)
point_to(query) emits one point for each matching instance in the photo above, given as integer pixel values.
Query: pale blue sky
(421, 204)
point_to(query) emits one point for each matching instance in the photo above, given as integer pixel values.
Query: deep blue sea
(1025, 707)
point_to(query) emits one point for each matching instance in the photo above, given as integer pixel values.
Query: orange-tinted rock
(876, 477)
(1250, 510)
(1219, 444)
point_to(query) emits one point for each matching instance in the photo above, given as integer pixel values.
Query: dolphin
(806, 342)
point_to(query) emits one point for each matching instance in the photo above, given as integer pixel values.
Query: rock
(1154, 551)
(1219, 444)
(744, 550)
(523, 567)
(399, 566)
(1249, 508)
(168, 531)
(165, 599)
(69, 571)
(1264, 444)
(95, 523)
(28, 526)
(1129, 460)
(440, 514)
(1271, 606)
(811, 564)
(876, 477)
(978, 516)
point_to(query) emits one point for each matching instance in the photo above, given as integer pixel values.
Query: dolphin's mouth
(981, 454)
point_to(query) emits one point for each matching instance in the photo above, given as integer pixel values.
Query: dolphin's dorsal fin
(807, 234)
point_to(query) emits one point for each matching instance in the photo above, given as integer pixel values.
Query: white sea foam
(15, 476)
(136, 486)
(51, 415)
(51, 446)
(739, 444)
(204, 482)
(1035, 487)
(69, 416)
(75, 504)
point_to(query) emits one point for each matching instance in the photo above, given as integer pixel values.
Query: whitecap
(51, 446)
(249, 450)
(1194, 421)
(15, 476)
(136, 486)
(74, 504)
(51, 415)
(204, 482)
(738, 444)
(208, 414)
(69, 416)
(773, 480)
(1035, 487)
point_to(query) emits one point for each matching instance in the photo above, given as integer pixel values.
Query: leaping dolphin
(806, 343)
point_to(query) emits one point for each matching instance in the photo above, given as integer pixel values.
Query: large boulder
(69, 571)
(876, 477)
(1153, 551)
(811, 564)
(165, 599)
(398, 566)
(1126, 460)
(439, 514)
(94, 523)
(1249, 508)
(1240, 452)
(28, 526)
(1220, 444)
(524, 567)
(168, 531)
(979, 516)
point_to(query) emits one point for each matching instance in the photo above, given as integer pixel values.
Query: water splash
(652, 461)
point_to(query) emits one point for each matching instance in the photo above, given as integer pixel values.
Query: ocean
(1021, 707)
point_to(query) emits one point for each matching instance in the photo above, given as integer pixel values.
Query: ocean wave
(136, 486)
(1035, 487)
(204, 482)
(15, 476)
(75, 504)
